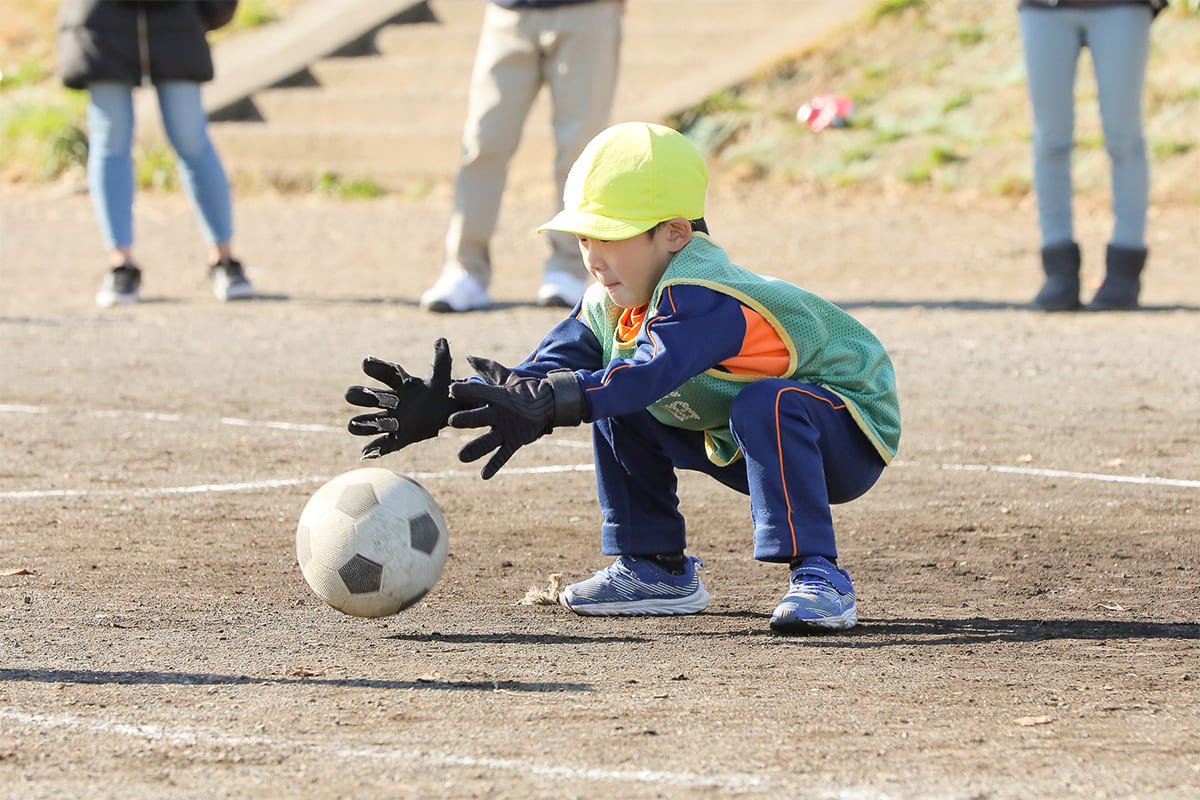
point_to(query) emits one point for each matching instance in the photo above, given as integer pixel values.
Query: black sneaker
(120, 286)
(229, 281)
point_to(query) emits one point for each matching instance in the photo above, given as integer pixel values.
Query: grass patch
(918, 174)
(1015, 186)
(969, 36)
(24, 73)
(252, 14)
(854, 154)
(43, 130)
(332, 185)
(887, 136)
(891, 8)
(42, 138)
(940, 156)
(959, 100)
(154, 167)
(1172, 148)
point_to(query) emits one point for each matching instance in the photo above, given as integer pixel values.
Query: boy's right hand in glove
(413, 409)
(517, 410)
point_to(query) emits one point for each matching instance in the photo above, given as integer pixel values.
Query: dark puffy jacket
(130, 41)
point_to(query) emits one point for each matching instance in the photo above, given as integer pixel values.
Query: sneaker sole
(442, 307)
(842, 622)
(694, 603)
(554, 301)
(110, 300)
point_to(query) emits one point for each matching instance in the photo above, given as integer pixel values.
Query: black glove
(518, 410)
(414, 409)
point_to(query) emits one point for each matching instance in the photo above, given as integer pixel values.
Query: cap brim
(594, 226)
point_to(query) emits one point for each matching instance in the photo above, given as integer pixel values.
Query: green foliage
(853, 154)
(887, 135)
(42, 137)
(969, 36)
(889, 8)
(943, 155)
(725, 100)
(918, 174)
(356, 189)
(22, 74)
(1011, 186)
(959, 100)
(67, 151)
(253, 14)
(154, 167)
(1172, 148)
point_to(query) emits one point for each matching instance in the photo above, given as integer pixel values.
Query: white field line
(1144, 480)
(403, 756)
(249, 486)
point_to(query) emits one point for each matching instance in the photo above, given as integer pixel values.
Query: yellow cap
(629, 178)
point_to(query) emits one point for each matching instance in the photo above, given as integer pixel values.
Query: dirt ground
(1027, 571)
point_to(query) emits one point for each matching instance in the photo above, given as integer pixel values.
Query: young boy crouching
(680, 359)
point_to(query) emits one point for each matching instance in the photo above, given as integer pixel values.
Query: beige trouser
(575, 50)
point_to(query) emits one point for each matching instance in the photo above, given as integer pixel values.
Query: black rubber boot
(1060, 292)
(1122, 279)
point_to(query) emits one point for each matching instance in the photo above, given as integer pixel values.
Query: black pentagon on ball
(361, 575)
(423, 533)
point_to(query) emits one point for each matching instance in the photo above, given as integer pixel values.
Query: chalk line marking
(9, 408)
(1145, 480)
(15, 408)
(248, 486)
(282, 426)
(156, 416)
(404, 756)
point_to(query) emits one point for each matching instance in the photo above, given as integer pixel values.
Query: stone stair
(392, 114)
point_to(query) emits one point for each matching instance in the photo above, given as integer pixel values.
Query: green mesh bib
(826, 347)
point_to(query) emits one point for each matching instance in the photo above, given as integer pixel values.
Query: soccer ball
(371, 543)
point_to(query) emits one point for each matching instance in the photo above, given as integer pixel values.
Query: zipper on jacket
(144, 46)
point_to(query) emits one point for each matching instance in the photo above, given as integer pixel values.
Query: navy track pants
(801, 450)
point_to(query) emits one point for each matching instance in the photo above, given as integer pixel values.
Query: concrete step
(457, 13)
(449, 72)
(354, 107)
(432, 38)
(381, 153)
(393, 114)
(453, 70)
(370, 106)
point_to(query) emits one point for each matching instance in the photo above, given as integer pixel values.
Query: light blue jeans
(1119, 40)
(110, 160)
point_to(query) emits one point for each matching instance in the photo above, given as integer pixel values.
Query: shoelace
(814, 586)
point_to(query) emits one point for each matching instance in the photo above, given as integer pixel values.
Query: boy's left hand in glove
(413, 409)
(518, 410)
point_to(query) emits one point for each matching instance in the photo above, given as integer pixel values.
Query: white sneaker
(560, 290)
(455, 291)
(120, 286)
(229, 280)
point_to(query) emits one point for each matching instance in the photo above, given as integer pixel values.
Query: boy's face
(629, 269)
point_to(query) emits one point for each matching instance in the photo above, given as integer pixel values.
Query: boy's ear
(679, 233)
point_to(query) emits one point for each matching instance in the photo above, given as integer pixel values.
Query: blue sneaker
(635, 586)
(819, 597)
